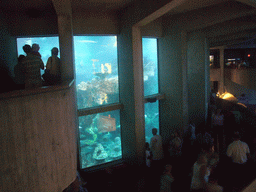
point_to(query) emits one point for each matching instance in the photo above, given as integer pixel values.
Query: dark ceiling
(242, 24)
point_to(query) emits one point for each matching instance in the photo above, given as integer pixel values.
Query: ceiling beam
(62, 7)
(209, 16)
(248, 2)
(231, 39)
(230, 27)
(160, 12)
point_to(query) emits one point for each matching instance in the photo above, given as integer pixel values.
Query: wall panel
(38, 142)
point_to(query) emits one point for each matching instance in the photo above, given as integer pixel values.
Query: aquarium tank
(46, 44)
(97, 86)
(150, 73)
(96, 72)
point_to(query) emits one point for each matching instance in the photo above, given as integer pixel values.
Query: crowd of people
(28, 70)
(212, 169)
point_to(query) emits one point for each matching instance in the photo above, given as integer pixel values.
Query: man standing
(239, 153)
(156, 147)
(238, 150)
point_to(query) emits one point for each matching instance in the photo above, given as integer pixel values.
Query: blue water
(92, 55)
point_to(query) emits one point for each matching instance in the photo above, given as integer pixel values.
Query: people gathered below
(211, 171)
(148, 155)
(166, 179)
(201, 173)
(212, 185)
(238, 150)
(156, 146)
(217, 129)
(175, 145)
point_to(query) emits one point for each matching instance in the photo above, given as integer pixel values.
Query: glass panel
(100, 138)
(150, 66)
(45, 43)
(151, 119)
(96, 70)
(150, 69)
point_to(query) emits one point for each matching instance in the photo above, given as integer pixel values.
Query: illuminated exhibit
(97, 86)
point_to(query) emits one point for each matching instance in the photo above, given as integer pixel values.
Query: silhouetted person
(32, 64)
(156, 147)
(19, 73)
(35, 50)
(166, 179)
(27, 49)
(238, 150)
(239, 153)
(217, 129)
(52, 72)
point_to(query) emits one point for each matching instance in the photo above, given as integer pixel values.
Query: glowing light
(108, 66)
(87, 41)
(228, 96)
(102, 68)
(249, 55)
(242, 105)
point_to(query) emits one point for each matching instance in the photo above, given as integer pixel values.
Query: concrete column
(184, 79)
(66, 46)
(221, 87)
(198, 75)
(173, 109)
(138, 94)
(64, 12)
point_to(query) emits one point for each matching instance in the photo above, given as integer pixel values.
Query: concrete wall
(198, 76)
(171, 83)
(126, 82)
(131, 81)
(23, 25)
(95, 23)
(184, 77)
(8, 48)
(84, 23)
(243, 77)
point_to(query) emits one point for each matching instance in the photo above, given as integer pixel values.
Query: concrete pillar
(66, 46)
(198, 75)
(172, 50)
(221, 87)
(65, 29)
(138, 94)
(184, 80)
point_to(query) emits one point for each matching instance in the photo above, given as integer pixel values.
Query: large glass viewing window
(45, 43)
(97, 92)
(150, 73)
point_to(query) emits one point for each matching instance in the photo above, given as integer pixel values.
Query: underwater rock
(116, 152)
(118, 141)
(87, 149)
(99, 153)
(87, 142)
(106, 137)
(83, 137)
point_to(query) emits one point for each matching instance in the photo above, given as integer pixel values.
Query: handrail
(44, 89)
